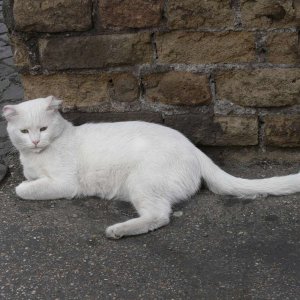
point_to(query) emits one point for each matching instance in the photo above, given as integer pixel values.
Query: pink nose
(35, 142)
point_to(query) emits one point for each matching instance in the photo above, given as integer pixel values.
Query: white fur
(149, 165)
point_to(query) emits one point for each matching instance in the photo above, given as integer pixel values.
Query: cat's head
(33, 125)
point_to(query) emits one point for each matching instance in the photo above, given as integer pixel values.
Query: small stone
(5, 52)
(3, 28)
(9, 60)
(6, 70)
(178, 213)
(4, 38)
(13, 92)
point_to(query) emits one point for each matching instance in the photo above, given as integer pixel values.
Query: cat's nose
(35, 142)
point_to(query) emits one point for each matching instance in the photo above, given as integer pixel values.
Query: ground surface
(219, 248)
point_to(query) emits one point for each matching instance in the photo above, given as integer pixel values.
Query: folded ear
(54, 103)
(9, 111)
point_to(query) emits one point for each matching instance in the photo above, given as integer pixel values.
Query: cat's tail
(223, 183)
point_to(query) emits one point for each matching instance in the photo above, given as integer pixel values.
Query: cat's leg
(154, 213)
(45, 189)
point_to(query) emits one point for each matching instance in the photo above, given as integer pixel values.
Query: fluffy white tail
(222, 183)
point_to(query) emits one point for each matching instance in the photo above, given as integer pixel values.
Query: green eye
(24, 130)
(43, 128)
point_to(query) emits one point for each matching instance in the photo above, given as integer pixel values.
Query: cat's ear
(9, 111)
(54, 103)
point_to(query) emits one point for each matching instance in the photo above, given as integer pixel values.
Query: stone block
(82, 90)
(282, 130)
(20, 51)
(200, 14)
(260, 88)
(130, 13)
(268, 14)
(82, 117)
(95, 51)
(236, 130)
(206, 129)
(205, 47)
(297, 10)
(282, 48)
(52, 15)
(177, 88)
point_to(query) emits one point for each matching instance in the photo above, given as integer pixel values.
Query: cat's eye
(24, 130)
(43, 128)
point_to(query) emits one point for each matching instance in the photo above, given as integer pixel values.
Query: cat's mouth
(37, 149)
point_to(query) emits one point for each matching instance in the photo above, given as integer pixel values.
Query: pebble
(178, 213)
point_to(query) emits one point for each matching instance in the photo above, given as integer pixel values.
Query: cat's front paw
(23, 191)
(114, 232)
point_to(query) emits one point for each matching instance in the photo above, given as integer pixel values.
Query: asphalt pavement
(215, 247)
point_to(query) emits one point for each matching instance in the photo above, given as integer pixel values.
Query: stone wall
(225, 73)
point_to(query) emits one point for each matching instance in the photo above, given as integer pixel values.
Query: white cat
(149, 165)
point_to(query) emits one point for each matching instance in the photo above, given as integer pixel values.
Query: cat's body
(149, 165)
(119, 153)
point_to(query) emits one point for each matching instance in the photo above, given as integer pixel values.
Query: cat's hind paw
(113, 232)
(23, 192)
